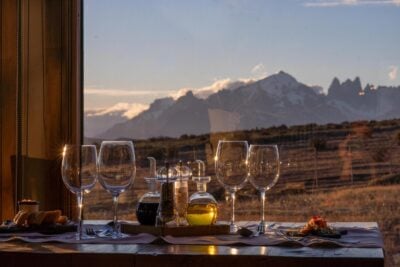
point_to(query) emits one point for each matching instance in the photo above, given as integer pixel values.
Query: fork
(90, 231)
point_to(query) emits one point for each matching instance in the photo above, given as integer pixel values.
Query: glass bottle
(182, 192)
(166, 210)
(146, 210)
(202, 208)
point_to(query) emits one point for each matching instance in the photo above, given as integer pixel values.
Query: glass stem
(262, 196)
(115, 202)
(233, 196)
(79, 198)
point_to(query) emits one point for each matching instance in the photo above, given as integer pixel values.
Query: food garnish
(317, 225)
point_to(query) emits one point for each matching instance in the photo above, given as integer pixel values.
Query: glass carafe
(146, 210)
(202, 208)
(166, 210)
(182, 192)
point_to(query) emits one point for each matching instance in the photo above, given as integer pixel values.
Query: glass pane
(318, 78)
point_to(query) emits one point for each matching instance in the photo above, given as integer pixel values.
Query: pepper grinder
(166, 210)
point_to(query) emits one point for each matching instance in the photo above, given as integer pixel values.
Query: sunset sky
(136, 51)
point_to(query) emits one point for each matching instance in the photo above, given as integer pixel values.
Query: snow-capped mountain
(275, 100)
(99, 120)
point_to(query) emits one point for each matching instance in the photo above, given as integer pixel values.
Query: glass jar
(202, 208)
(182, 192)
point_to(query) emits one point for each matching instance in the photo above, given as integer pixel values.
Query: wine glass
(264, 168)
(231, 170)
(117, 170)
(79, 174)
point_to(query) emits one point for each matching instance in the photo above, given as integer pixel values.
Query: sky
(137, 50)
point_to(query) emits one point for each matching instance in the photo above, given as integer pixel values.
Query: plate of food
(46, 222)
(318, 226)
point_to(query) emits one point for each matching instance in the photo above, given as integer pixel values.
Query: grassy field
(344, 172)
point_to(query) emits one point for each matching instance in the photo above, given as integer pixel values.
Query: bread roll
(16, 217)
(38, 218)
(51, 216)
(31, 220)
(21, 220)
(62, 220)
(25, 218)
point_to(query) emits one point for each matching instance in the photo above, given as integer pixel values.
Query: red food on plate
(315, 224)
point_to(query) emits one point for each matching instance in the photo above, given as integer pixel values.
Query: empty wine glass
(231, 170)
(79, 174)
(264, 169)
(117, 170)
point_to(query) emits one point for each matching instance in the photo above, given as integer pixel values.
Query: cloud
(336, 3)
(216, 86)
(393, 72)
(129, 110)
(119, 92)
(259, 70)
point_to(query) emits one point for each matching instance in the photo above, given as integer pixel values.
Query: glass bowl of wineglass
(79, 174)
(264, 169)
(231, 170)
(117, 170)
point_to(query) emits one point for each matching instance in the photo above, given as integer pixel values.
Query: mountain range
(275, 100)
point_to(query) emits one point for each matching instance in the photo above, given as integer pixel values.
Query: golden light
(211, 250)
(263, 250)
(64, 150)
(233, 251)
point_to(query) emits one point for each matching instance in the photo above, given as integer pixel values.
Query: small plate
(332, 233)
(51, 229)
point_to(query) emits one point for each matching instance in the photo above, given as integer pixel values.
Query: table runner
(356, 237)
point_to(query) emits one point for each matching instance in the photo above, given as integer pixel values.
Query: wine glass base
(110, 233)
(83, 236)
(118, 235)
(262, 226)
(233, 228)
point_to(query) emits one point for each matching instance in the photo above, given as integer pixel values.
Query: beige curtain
(47, 100)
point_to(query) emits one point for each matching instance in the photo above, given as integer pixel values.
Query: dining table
(360, 246)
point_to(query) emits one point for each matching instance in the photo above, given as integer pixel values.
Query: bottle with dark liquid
(146, 210)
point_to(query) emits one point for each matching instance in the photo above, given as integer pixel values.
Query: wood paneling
(8, 100)
(48, 99)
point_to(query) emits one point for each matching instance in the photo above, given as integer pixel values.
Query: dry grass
(342, 182)
(378, 203)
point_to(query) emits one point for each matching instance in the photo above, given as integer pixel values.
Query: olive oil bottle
(202, 208)
(201, 213)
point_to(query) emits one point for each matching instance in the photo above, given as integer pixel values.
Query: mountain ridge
(275, 100)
